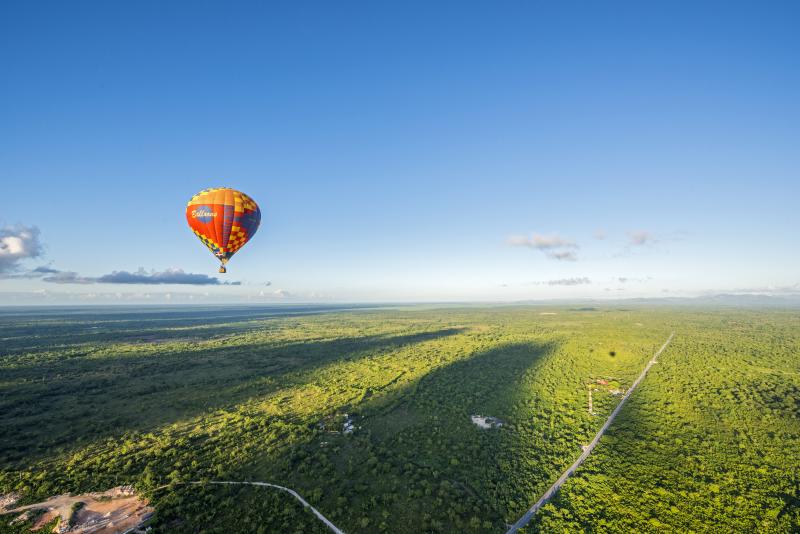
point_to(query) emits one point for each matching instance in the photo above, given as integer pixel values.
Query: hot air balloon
(224, 219)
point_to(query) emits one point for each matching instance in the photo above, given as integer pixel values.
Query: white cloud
(626, 279)
(641, 237)
(575, 281)
(569, 281)
(563, 255)
(18, 243)
(541, 242)
(553, 246)
(68, 277)
(170, 276)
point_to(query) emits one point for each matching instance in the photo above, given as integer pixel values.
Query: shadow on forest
(439, 403)
(427, 424)
(74, 401)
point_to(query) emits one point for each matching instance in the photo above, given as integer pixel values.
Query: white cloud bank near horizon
(21, 247)
(171, 276)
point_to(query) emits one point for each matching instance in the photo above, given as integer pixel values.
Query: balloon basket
(222, 269)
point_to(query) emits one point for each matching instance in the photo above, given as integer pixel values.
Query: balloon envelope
(224, 219)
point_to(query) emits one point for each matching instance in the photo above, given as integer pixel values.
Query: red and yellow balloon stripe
(224, 219)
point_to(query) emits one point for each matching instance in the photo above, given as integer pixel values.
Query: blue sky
(409, 151)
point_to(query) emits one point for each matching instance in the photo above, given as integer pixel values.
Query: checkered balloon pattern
(223, 219)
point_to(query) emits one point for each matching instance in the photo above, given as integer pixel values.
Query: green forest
(710, 441)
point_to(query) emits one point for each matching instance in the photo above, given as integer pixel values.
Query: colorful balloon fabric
(224, 219)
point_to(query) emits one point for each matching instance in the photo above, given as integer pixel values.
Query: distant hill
(736, 300)
(751, 300)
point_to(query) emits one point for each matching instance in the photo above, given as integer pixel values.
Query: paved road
(525, 519)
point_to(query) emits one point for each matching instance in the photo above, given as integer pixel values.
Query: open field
(116, 510)
(710, 440)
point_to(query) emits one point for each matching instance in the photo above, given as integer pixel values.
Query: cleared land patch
(116, 510)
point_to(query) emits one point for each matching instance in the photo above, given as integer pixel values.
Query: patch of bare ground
(7, 501)
(114, 511)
